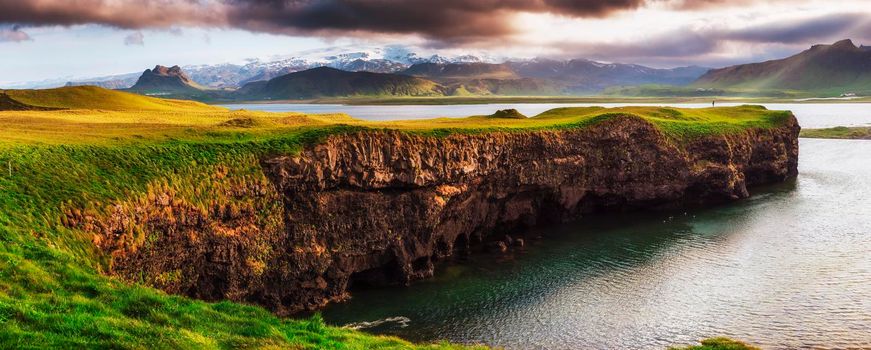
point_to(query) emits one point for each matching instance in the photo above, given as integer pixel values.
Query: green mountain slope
(330, 82)
(485, 79)
(826, 69)
(92, 97)
(442, 71)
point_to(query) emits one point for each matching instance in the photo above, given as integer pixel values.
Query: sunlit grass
(92, 97)
(85, 126)
(115, 146)
(719, 344)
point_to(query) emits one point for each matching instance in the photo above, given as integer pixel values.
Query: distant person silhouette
(713, 103)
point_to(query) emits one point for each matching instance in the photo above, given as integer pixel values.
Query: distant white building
(848, 94)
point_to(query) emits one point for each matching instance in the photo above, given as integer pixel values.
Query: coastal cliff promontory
(381, 206)
(119, 213)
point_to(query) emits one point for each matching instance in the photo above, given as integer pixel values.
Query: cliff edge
(380, 207)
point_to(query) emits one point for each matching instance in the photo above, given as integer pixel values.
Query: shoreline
(400, 101)
(838, 133)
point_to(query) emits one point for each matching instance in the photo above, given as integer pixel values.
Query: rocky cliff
(165, 80)
(381, 207)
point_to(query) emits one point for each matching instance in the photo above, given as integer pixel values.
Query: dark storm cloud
(854, 24)
(693, 43)
(443, 20)
(122, 14)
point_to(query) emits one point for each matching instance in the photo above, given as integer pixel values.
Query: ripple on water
(790, 268)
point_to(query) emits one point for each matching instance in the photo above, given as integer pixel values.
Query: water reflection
(787, 268)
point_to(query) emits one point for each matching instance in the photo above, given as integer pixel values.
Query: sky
(50, 39)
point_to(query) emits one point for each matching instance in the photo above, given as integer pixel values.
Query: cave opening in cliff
(380, 276)
(420, 264)
(461, 244)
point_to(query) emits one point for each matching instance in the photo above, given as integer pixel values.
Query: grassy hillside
(92, 97)
(327, 82)
(697, 92)
(52, 291)
(828, 70)
(505, 87)
(449, 71)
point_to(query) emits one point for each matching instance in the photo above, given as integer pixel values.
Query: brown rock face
(380, 207)
(166, 79)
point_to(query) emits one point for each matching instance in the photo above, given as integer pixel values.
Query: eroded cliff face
(380, 207)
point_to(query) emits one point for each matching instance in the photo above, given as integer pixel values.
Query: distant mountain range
(121, 81)
(381, 78)
(458, 79)
(233, 75)
(590, 76)
(823, 69)
(828, 69)
(466, 74)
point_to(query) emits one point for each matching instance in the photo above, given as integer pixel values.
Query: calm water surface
(788, 268)
(810, 115)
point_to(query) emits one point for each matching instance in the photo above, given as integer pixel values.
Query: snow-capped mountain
(577, 75)
(391, 59)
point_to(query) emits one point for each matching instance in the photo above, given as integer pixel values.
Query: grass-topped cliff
(99, 150)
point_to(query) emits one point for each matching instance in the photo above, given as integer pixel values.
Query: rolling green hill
(828, 70)
(330, 82)
(92, 97)
(442, 71)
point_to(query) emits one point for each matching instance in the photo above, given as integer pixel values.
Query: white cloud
(13, 34)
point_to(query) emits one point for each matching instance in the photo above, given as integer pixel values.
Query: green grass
(709, 93)
(839, 132)
(108, 147)
(92, 97)
(719, 344)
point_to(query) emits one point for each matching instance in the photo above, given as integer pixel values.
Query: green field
(651, 91)
(839, 132)
(100, 147)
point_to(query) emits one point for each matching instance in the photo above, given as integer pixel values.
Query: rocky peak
(164, 79)
(846, 43)
(174, 71)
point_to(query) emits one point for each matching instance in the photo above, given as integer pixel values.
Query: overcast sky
(42, 39)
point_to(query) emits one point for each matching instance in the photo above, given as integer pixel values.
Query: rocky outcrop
(508, 114)
(165, 80)
(381, 207)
